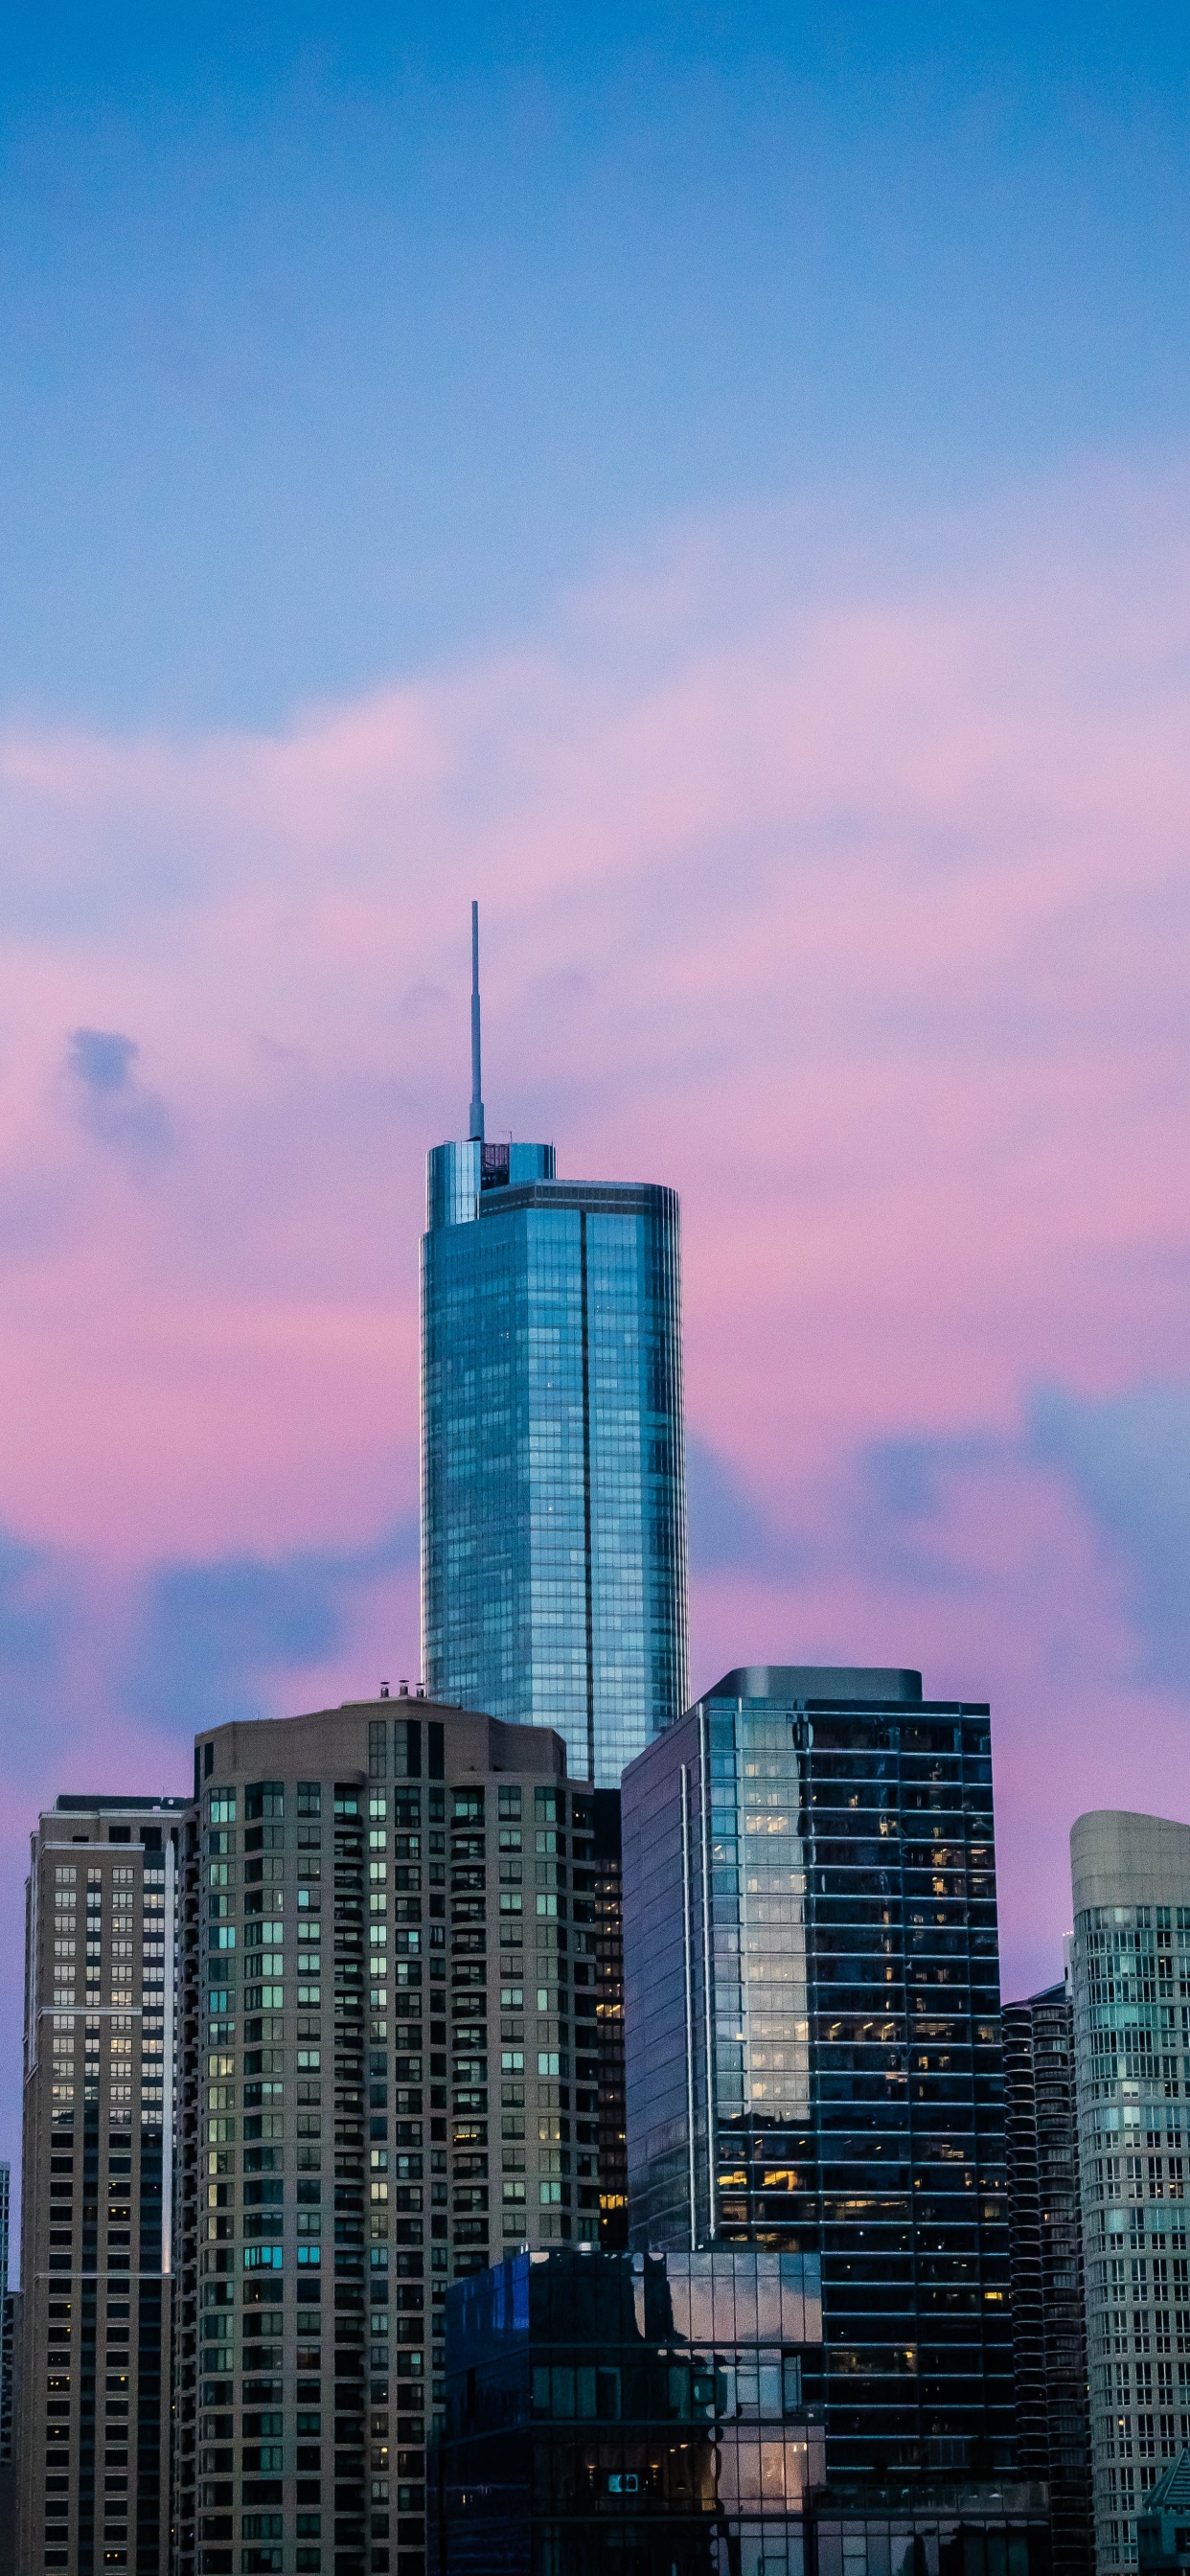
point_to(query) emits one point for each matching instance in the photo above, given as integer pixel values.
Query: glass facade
(964, 2529)
(1131, 1971)
(553, 1482)
(637, 2413)
(813, 2035)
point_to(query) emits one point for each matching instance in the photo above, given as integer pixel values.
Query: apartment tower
(1048, 2323)
(93, 2365)
(1131, 1971)
(390, 2067)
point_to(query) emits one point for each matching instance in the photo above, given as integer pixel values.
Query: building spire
(475, 1130)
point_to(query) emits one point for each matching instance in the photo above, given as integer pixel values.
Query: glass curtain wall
(812, 2026)
(553, 1486)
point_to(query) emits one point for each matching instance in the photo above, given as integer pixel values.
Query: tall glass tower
(553, 1499)
(812, 2034)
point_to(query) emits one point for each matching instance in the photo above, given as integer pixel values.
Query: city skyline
(715, 487)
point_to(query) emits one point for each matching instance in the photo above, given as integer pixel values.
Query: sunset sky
(714, 484)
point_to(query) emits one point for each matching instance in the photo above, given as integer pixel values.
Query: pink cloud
(842, 881)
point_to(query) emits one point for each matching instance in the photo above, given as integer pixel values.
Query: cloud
(33, 1625)
(837, 875)
(102, 1060)
(215, 1641)
(115, 1104)
(729, 1526)
(1127, 1458)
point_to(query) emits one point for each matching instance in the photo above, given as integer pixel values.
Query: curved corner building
(1131, 1966)
(553, 1497)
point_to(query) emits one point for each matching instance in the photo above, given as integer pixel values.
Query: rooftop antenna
(475, 1130)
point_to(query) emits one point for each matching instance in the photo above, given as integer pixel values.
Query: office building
(638, 2412)
(1130, 1970)
(390, 2067)
(553, 1511)
(813, 2037)
(1053, 2440)
(92, 2467)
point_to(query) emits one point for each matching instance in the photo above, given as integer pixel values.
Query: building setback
(813, 2036)
(391, 2050)
(1131, 1972)
(1049, 2330)
(93, 2429)
(553, 1500)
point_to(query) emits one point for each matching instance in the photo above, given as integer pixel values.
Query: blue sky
(333, 342)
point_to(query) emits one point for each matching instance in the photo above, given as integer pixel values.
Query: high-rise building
(553, 1522)
(390, 2064)
(1131, 1970)
(652, 2412)
(813, 2035)
(92, 2468)
(1048, 2326)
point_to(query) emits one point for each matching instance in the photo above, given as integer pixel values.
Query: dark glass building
(553, 1504)
(652, 2415)
(813, 2035)
(1049, 2327)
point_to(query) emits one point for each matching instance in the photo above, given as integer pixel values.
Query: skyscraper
(553, 1519)
(652, 2413)
(1048, 2327)
(813, 2035)
(1131, 1969)
(390, 2059)
(92, 2470)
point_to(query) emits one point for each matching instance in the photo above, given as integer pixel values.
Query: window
(221, 1807)
(264, 1798)
(309, 1797)
(510, 1805)
(406, 1748)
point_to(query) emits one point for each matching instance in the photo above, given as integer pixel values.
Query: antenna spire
(475, 1130)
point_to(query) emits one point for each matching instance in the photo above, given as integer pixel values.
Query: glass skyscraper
(813, 2035)
(553, 1504)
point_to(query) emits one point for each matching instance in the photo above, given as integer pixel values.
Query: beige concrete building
(92, 2430)
(1131, 1995)
(389, 2068)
